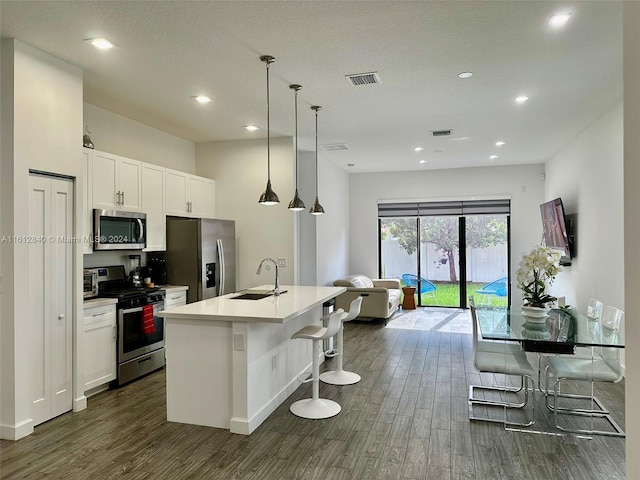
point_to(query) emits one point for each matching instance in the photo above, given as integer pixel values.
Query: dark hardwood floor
(406, 419)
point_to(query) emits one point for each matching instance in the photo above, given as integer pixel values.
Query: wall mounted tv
(555, 232)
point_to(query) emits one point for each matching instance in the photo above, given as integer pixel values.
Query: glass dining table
(561, 331)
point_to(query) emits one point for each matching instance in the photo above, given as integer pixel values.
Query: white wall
(42, 130)
(116, 134)
(524, 185)
(332, 228)
(631, 27)
(587, 175)
(240, 170)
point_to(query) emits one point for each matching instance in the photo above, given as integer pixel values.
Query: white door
(153, 199)
(176, 184)
(104, 181)
(51, 283)
(196, 196)
(129, 183)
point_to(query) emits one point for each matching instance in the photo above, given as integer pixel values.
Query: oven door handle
(131, 310)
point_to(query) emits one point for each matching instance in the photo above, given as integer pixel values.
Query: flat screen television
(555, 229)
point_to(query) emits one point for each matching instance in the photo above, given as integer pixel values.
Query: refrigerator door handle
(221, 264)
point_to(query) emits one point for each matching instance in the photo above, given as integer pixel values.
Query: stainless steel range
(140, 330)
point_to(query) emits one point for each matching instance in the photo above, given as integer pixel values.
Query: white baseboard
(246, 426)
(16, 432)
(79, 403)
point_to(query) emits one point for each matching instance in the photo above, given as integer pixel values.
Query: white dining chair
(500, 358)
(603, 366)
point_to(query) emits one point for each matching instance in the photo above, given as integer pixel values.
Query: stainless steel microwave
(119, 230)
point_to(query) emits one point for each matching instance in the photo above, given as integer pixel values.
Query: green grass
(448, 295)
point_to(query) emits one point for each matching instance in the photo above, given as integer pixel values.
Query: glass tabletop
(560, 329)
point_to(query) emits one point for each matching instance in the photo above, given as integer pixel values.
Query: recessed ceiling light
(350, 164)
(251, 128)
(560, 20)
(101, 43)
(522, 99)
(493, 157)
(500, 143)
(202, 99)
(419, 149)
(465, 74)
(423, 161)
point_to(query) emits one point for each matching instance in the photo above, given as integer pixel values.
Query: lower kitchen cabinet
(174, 298)
(99, 345)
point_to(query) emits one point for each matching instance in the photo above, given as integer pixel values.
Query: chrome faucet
(276, 289)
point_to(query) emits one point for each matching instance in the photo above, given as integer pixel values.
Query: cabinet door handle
(114, 331)
(122, 198)
(118, 197)
(101, 314)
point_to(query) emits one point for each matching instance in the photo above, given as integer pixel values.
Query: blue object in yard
(497, 288)
(425, 285)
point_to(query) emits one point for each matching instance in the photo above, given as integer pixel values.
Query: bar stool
(339, 376)
(316, 407)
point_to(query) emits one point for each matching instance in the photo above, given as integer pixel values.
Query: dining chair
(594, 309)
(594, 312)
(603, 366)
(500, 358)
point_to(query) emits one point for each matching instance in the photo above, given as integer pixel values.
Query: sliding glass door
(447, 257)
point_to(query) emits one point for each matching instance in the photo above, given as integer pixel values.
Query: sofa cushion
(355, 281)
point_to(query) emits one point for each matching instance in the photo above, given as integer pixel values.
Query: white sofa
(381, 297)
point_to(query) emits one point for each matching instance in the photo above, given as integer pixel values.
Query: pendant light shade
(317, 208)
(296, 204)
(269, 197)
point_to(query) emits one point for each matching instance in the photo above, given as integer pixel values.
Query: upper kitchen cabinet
(209, 199)
(116, 182)
(189, 195)
(87, 203)
(153, 204)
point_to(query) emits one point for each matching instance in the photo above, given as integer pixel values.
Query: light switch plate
(282, 262)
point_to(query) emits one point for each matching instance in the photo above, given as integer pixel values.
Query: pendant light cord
(268, 129)
(316, 153)
(296, 116)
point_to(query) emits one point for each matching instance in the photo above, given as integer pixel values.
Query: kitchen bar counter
(272, 309)
(231, 363)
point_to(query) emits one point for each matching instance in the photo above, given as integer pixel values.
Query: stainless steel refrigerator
(201, 254)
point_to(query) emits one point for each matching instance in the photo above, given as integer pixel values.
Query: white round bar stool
(316, 407)
(339, 376)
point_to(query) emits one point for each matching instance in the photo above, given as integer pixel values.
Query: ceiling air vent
(334, 147)
(360, 79)
(441, 133)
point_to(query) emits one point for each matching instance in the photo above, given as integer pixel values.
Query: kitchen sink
(253, 296)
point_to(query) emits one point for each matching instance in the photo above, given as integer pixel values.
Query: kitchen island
(231, 362)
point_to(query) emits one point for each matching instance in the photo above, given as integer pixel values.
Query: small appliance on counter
(135, 270)
(156, 268)
(90, 284)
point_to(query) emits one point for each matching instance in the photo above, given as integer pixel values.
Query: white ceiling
(169, 51)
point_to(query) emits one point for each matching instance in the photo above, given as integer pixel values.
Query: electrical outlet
(238, 342)
(282, 262)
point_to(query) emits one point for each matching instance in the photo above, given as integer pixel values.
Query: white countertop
(297, 300)
(99, 302)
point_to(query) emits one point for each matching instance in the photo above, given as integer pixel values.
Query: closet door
(51, 283)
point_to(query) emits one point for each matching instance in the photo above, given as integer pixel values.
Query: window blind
(447, 208)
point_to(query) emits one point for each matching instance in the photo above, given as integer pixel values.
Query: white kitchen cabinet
(209, 199)
(175, 298)
(187, 194)
(99, 354)
(153, 204)
(116, 182)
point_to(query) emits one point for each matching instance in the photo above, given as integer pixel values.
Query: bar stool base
(340, 377)
(315, 409)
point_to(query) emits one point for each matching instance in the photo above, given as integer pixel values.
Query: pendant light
(317, 208)
(269, 197)
(296, 204)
